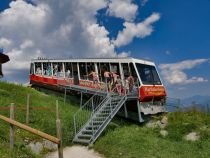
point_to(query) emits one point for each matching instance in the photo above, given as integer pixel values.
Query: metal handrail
(86, 112)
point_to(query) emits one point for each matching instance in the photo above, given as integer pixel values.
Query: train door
(75, 73)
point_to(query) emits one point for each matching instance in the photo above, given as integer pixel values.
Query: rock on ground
(164, 133)
(152, 124)
(193, 136)
(75, 152)
(36, 147)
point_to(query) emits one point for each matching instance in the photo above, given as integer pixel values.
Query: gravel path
(75, 152)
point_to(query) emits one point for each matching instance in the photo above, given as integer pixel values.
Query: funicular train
(135, 76)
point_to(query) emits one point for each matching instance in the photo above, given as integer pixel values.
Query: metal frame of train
(148, 89)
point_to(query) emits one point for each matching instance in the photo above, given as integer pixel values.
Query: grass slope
(134, 141)
(121, 139)
(41, 120)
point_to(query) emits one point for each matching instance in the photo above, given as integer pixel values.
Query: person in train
(130, 80)
(68, 73)
(114, 76)
(49, 71)
(94, 76)
(107, 79)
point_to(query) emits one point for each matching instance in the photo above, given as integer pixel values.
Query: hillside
(43, 120)
(122, 138)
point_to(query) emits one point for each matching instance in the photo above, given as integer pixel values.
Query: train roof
(100, 60)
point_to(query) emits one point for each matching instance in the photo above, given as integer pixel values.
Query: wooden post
(59, 136)
(57, 112)
(58, 130)
(27, 109)
(12, 128)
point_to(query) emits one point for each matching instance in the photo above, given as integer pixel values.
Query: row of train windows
(147, 73)
(71, 70)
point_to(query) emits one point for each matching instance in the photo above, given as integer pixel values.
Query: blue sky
(179, 41)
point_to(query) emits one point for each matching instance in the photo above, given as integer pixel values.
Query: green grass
(139, 141)
(120, 139)
(40, 119)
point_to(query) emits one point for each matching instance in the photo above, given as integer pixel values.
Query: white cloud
(98, 36)
(4, 42)
(124, 54)
(63, 29)
(124, 9)
(52, 29)
(174, 73)
(133, 30)
(27, 44)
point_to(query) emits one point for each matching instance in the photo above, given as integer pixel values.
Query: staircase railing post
(110, 104)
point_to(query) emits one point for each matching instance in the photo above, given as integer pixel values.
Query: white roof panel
(100, 60)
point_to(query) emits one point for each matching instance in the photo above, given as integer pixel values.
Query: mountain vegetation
(165, 135)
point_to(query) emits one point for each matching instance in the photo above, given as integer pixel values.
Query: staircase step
(99, 119)
(87, 131)
(105, 111)
(107, 107)
(84, 136)
(102, 115)
(95, 123)
(94, 127)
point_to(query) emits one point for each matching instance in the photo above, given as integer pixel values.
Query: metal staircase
(95, 115)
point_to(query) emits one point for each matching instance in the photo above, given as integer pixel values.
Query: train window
(46, 67)
(60, 71)
(75, 73)
(115, 68)
(83, 71)
(38, 68)
(133, 73)
(54, 68)
(148, 74)
(68, 70)
(104, 67)
(49, 69)
(90, 68)
(99, 72)
(125, 70)
(32, 68)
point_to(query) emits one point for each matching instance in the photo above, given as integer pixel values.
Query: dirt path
(76, 152)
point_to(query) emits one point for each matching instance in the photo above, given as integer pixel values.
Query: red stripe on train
(149, 92)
